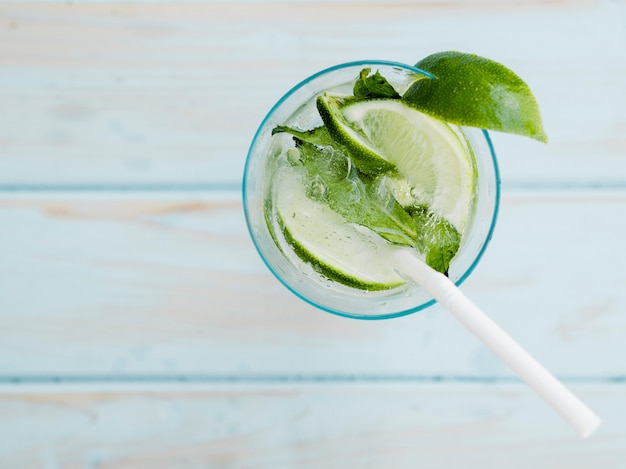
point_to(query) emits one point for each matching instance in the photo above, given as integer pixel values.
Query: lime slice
(477, 92)
(365, 156)
(346, 253)
(426, 152)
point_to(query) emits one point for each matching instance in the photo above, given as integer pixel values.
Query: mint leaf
(373, 86)
(361, 200)
(436, 238)
(329, 164)
(317, 136)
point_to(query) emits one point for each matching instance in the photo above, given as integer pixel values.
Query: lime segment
(365, 156)
(477, 92)
(352, 255)
(426, 152)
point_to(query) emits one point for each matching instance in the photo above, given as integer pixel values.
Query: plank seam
(288, 378)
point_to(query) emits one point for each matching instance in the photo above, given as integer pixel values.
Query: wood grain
(324, 425)
(116, 285)
(139, 329)
(149, 94)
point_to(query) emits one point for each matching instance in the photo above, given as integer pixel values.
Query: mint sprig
(316, 136)
(437, 238)
(333, 180)
(373, 86)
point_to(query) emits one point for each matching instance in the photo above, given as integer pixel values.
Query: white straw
(520, 361)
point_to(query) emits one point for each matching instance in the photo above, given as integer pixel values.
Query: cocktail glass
(297, 109)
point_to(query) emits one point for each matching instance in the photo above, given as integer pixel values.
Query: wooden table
(139, 327)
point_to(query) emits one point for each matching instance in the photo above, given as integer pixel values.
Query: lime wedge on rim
(477, 92)
(424, 151)
(340, 251)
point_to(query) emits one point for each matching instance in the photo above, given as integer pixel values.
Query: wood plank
(160, 93)
(122, 285)
(327, 425)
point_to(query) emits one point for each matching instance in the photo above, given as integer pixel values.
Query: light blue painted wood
(105, 288)
(172, 93)
(120, 286)
(325, 425)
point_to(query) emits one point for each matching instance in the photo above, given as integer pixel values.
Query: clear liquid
(281, 155)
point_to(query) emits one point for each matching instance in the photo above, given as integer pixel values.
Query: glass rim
(310, 301)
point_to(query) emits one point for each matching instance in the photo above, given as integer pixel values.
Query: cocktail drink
(325, 216)
(370, 191)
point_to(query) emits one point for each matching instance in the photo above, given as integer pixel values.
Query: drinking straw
(519, 360)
